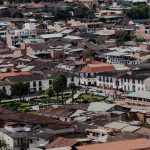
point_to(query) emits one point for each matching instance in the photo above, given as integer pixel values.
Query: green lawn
(24, 106)
(87, 98)
(50, 100)
(17, 106)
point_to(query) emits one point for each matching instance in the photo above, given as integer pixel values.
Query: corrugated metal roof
(117, 125)
(100, 106)
(140, 94)
(131, 128)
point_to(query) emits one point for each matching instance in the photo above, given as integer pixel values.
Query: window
(34, 84)
(40, 88)
(87, 132)
(50, 82)
(4, 89)
(107, 80)
(111, 80)
(117, 83)
(40, 83)
(72, 79)
(100, 78)
(89, 75)
(133, 81)
(94, 134)
(21, 141)
(31, 141)
(103, 78)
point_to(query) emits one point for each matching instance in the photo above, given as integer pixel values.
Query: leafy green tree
(141, 39)
(88, 53)
(19, 89)
(100, 42)
(139, 11)
(18, 15)
(59, 85)
(87, 13)
(72, 87)
(70, 7)
(62, 14)
(49, 92)
(1, 2)
(124, 36)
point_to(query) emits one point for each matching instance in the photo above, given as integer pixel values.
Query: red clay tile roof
(77, 106)
(38, 46)
(61, 142)
(5, 51)
(35, 5)
(96, 68)
(12, 116)
(60, 111)
(63, 110)
(12, 74)
(138, 144)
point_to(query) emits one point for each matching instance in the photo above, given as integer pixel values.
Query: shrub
(85, 101)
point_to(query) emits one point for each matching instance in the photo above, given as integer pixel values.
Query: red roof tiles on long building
(138, 144)
(12, 74)
(96, 68)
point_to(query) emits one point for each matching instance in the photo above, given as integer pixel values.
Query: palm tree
(59, 85)
(72, 87)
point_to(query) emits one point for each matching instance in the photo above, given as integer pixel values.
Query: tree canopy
(72, 87)
(4, 145)
(72, 11)
(49, 92)
(140, 11)
(124, 36)
(19, 89)
(60, 84)
(87, 53)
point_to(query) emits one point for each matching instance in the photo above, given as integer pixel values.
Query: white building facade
(16, 36)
